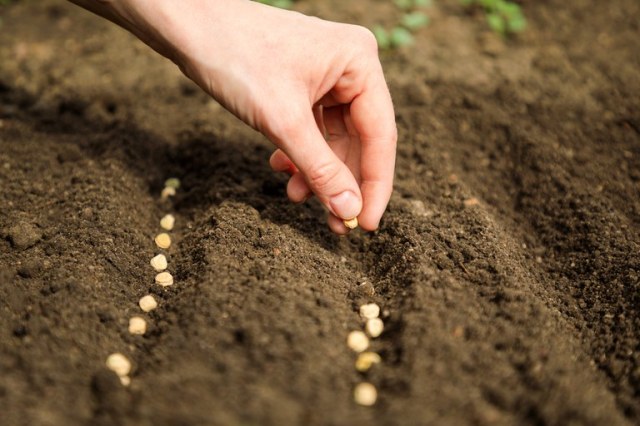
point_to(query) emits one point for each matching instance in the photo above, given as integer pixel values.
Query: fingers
(281, 163)
(324, 173)
(374, 120)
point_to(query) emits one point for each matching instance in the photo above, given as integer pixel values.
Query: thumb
(326, 175)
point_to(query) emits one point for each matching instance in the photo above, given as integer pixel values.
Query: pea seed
(167, 192)
(374, 327)
(167, 222)
(365, 394)
(163, 240)
(172, 183)
(370, 310)
(148, 303)
(119, 364)
(159, 262)
(366, 360)
(357, 341)
(351, 223)
(137, 325)
(165, 279)
(125, 380)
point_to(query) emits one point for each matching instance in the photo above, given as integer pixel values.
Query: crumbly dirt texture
(507, 265)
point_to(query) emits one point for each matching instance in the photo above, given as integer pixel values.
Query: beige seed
(167, 192)
(119, 364)
(148, 303)
(137, 325)
(357, 341)
(374, 327)
(125, 380)
(365, 394)
(366, 360)
(164, 279)
(172, 183)
(370, 310)
(159, 262)
(351, 223)
(167, 222)
(163, 240)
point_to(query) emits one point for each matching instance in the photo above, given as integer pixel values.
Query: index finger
(374, 120)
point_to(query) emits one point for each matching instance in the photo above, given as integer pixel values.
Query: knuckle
(367, 40)
(322, 176)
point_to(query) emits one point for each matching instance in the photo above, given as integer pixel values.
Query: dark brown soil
(522, 309)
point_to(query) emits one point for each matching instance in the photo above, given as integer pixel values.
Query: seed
(159, 262)
(172, 183)
(163, 240)
(125, 380)
(167, 222)
(119, 364)
(357, 341)
(370, 310)
(365, 394)
(148, 303)
(473, 201)
(164, 279)
(366, 360)
(351, 223)
(374, 327)
(167, 192)
(137, 325)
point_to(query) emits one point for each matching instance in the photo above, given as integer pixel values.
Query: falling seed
(351, 223)
(172, 183)
(125, 380)
(374, 327)
(167, 192)
(164, 279)
(137, 325)
(370, 310)
(365, 394)
(119, 364)
(163, 240)
(167, 222)
(357, 341)
(366, 360)
(148, 303)
(159, 262)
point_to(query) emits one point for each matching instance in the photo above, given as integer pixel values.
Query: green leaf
(400, 37)
(517, 24)
(415, 20)
(404, 4)
(496, 23)
(422, 3)
(382, 37)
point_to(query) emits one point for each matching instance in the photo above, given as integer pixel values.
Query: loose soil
(521, 306)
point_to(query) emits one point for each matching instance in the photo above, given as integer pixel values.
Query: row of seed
(365, 393)
(117, 362)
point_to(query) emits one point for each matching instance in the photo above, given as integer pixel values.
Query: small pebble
(374, 327)
(172, 183)
(159, 262)
(357, 341)
(23, 235)
(365, 394)
(351, 223)
(366, 360)
(148, 303)
(370, 310)
(137, 325)
(164, 279)
(167, 192)
(163, 240)
(119, 364)
(167, 222)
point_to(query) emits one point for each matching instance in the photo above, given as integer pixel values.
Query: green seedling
(401, 34)
(503, 16)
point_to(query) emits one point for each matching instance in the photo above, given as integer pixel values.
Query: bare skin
(315, 88)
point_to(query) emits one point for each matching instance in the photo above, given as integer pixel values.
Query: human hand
(296, 79)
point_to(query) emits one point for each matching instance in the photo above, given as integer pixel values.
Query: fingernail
(345, 205)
